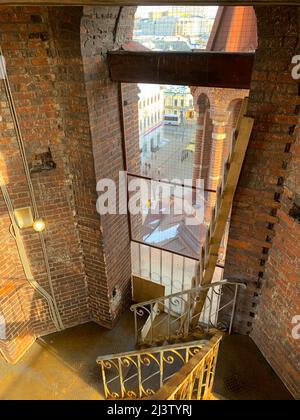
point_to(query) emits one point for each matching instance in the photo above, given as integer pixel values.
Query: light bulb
(39, 225)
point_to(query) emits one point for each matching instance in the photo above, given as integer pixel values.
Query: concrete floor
(62, 366)
(243, 373)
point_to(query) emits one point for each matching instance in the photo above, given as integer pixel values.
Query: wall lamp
(25, 220)
(39, 225)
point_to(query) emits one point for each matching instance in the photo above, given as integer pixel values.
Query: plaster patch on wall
(115, 299)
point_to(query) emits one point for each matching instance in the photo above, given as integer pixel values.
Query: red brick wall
(280, 300)
(131, 125)
(263, 241)
(47, 104)
(103, 29)
(72, 107)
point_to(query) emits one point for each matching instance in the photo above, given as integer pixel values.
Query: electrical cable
(53, 303)
(14, 231)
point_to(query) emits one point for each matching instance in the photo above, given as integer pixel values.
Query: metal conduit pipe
(15, 232)
(20, 141)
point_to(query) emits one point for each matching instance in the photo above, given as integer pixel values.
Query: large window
(167, 147)
(174, 28)
(187, 131)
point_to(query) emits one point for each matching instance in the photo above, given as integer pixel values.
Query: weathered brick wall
(59, 109)
(103, 29)
(130, 92)
(280, 300)
(46, 96)
(263, 245)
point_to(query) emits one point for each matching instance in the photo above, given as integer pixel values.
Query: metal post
(139, 375)
(151, 317)
(121, 377)
(140, 260)
(169, 319)
(172, 272)
(135, 326)
(187, 329)
(183, 274)
(210, 308)
(150, 273)
(160, 266)
(219, 295)
(161, 369)
(233, 308)
(106, 392)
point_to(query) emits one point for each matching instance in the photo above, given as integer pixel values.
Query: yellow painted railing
(140, 374)
(195, 380)
(171, 317)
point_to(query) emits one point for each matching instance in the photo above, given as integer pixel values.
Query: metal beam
(211, 69)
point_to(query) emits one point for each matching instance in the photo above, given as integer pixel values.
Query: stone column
(197, 165)
(220, 122)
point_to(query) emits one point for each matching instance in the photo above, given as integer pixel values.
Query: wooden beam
(236, 163)
(147, 2)
(211, 69)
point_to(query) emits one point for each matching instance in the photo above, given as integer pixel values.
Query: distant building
(164, 26)
(151, 112)
(193, 26)
(178, 100)
(173, 30)
(164, 43)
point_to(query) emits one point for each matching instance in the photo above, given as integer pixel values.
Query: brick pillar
(219, 122)
(206, 149)
(197, 164)
(104, 29)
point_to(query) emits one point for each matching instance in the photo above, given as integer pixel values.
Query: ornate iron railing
(139, 374)
(194, 380)
(171, 317)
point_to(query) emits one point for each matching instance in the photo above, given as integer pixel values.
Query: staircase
(175, 360)
(179, 334)
(141, 374)
(170, 319)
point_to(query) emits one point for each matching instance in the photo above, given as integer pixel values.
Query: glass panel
(169, 218)
(174, 28)
(167, 132)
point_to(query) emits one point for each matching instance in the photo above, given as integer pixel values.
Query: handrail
(138, 374)
(153, 350)
(196, 378)
(193, 290)
(172, 316)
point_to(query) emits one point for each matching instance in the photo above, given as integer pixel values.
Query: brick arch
(214, 142)
(234, 111)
